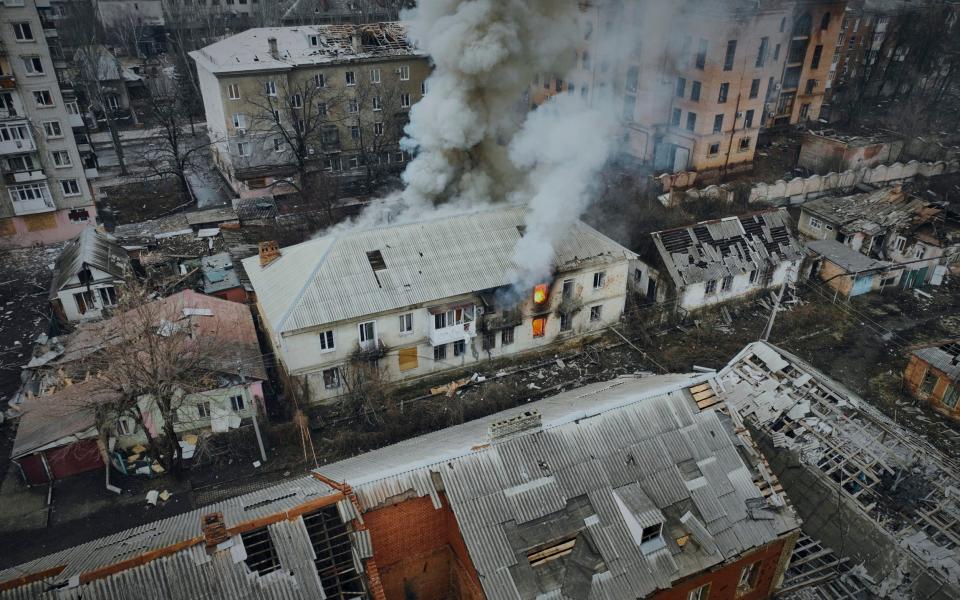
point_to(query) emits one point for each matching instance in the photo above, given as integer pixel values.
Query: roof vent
(269, 252)
(274, 51)
(526, 421)
(214, 529)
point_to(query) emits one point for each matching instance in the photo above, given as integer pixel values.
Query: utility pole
(256, 412)
(776, 306)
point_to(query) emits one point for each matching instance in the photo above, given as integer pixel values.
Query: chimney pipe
(274, 51)
(269, 252)
(357, 41)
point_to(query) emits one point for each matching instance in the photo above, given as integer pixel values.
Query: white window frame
(38, 94)
(352, 106)
(238, 403)
(61, 159)
(406, 323)
(375, 75)
(900, 243)
(815, 223)
(20, 28)
(233, 91)
(404, 72)
(404, 100)
(377, 103)
(378, 128)
(599, 279)
(296, 101)
(270, 87)
(919, 252)
(106, 298)
(361, 332)
(239, 121)
(75, 191)
(49, 125)
(328, 342)
(203, 409)
(114, 101)
(350, 77)
(243, 149)
(320, 80)
(701, 593)
(33, 65)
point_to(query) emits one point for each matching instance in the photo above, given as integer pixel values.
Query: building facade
(86, 276)
(933, 375)
(429, 297)
(44, 194)
(285, 102)
(696, 81)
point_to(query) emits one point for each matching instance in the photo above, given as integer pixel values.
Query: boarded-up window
(408, 358)
(41, 222)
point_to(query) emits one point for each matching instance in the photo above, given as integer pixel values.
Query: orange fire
(540, 293)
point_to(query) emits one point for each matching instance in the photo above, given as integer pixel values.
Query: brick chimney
(274, 51)
(214, 529)
(269, 252)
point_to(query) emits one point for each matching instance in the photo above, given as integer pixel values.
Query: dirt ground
(141, 201)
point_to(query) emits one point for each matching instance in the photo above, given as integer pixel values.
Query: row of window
(237, 404)
(320, 81)
(691, 125)
(726, 283)
(322, 108)
(85, 300)
(29, 192)
(950, 395)
(722, 95)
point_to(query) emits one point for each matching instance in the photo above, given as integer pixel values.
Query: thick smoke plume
(474, 138)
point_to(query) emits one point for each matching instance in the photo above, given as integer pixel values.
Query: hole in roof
(522, 229)
(376, 260)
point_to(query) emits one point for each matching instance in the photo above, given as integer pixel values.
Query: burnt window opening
(261, 553)
(330, 539)
(551, 551)
(85, 275)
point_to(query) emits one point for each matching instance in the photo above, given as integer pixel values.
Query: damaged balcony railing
(493, 321)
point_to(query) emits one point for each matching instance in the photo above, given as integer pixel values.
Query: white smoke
(475, 141)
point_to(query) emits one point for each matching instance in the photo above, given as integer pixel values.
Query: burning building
(429, 296)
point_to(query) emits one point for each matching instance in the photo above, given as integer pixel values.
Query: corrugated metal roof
(92, 248)
(331, 279)
(191, 573)
(603, 442)
(710, 250)
(846, 257)
(944, 358)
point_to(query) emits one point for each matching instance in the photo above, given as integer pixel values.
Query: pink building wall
(47, 228)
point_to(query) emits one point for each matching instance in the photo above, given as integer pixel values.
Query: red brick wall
(419, 548)
(723, 581)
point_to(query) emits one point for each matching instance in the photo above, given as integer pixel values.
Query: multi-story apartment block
(697, 80)
(44, 194)
(285, 102)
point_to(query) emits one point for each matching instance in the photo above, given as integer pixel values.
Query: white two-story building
(86, 276)
(429, 296)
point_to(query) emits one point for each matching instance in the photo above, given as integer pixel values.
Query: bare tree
(128, 30)
(382, 104)
(147, 365)
(178, 149)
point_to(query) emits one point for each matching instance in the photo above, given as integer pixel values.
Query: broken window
(331, 378)
(261, 553)
(702, 54)
(748, 578)
(718, 123)
(203, 410)
(351, 78)
(929, 382)
(595, 312)
(376, 260)
(919, 252)
(731, 54)
(754, 88)
(599, 278)
(506, 336)
(900, 243)
(406, 323)
(489, 341)
(566, 322)
(539, 327)
(545, 553)
(711, 287)
(748, 119)
(817, 54)
(84, 302)
(815, 223)
(701, 593)
(108, 296)
(236, 403)
(681, 87)
(567, 292)
(326, 340)
(727, 283)
(651, 533)
(713, 149)
(744, 144)
(368, 331)
(459, 348)
(724, 93)
(440, 352)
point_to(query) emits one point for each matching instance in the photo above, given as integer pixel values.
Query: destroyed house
(849, 272)
(933, 375)
(860, 482)
(429, 296)
(296, 541)
(717, 261)
(621, 489)
(888, 225)
(86, 276)
(57, 431)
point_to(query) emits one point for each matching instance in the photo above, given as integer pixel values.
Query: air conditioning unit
(241, 132)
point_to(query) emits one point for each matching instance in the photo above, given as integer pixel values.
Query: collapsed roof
(333, 279)
(730, 246)
(892, 476)
(846, 257)
(874, 212)
(598, 465)
(945, 357)
(91, 248)
(305, 45)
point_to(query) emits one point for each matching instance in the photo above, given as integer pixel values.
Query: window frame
(599, 279)
(406, 323)
(596, 313)
(71, 193)
(238, 403)
(46, 130)
(331, 378)
(328, 341)
(232, 89)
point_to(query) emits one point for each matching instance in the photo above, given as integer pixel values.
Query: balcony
(8, 82)
(447, 335)
(34, 206)
(24, 176)
(17, 147)
(92, 173)
(75, 120)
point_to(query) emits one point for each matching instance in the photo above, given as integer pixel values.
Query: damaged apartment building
(281, 102)
(727, 259)
(863, 484)
(420, 298)
(640, 487)
(906, 241)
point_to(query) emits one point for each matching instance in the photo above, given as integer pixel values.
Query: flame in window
(540, 293)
